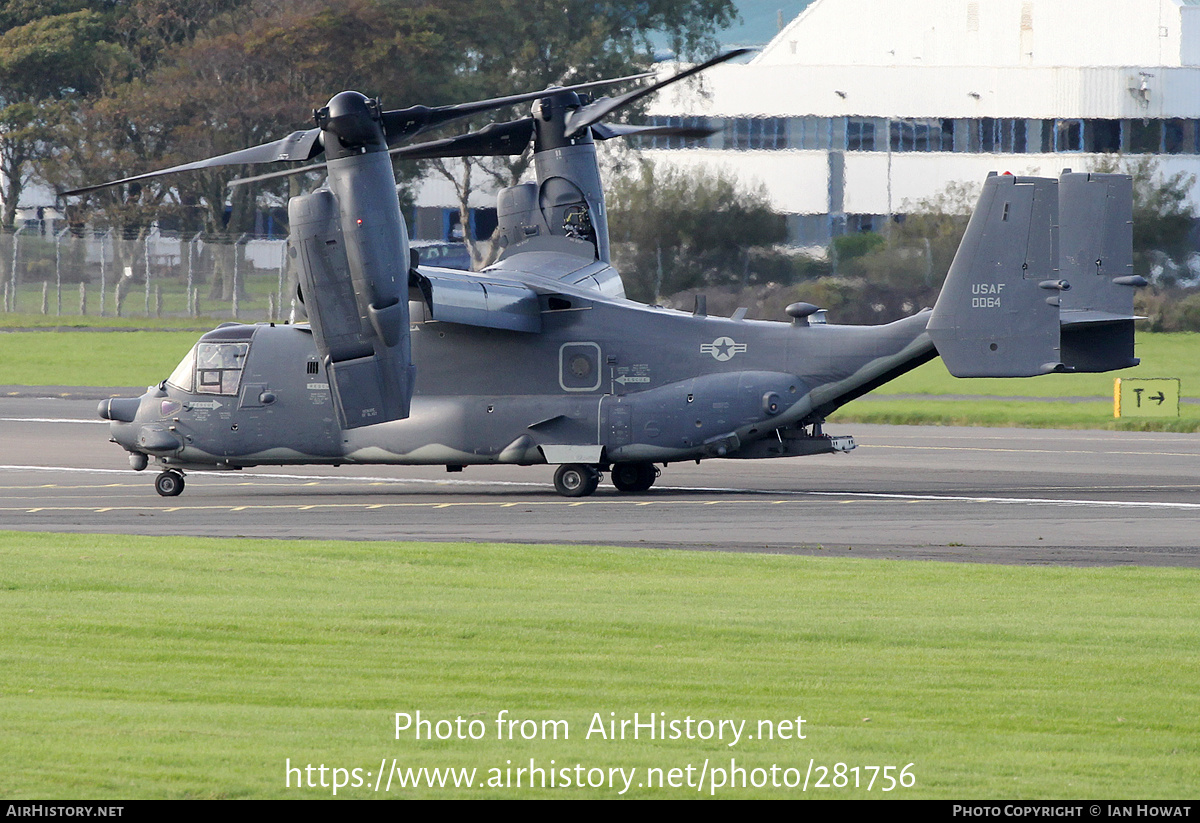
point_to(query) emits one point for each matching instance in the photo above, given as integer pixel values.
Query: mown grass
(184, 667)
(1162, 355)
(133, 358)
(995, 401)
(1004, 411)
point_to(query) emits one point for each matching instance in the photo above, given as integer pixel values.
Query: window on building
(1013, 136)
(1045, 129)
(810, 133)
(922, 135)
(756, 133)
(808, 229)
(1102, 135)
(860, 134)
(985, 135)
(837, 132)
(1068, 135)
(1144, 136)
(1179, 136)
(948, 134)
(995, 135)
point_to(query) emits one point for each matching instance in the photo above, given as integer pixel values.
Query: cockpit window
(219, 367)
(184, 376)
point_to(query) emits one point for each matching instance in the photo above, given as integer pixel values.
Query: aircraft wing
(560, 259)
(476, 300)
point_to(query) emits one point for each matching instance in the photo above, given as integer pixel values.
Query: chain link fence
(50, 268)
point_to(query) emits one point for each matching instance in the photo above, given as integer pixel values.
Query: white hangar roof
(966, 58)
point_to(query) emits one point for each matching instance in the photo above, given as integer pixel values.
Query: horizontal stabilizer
(1042, 281)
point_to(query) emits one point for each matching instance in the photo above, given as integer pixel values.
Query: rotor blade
(603, 131)
(242, 181)
(583, 117)
(299, 145)
(401, 124)
(492, 140)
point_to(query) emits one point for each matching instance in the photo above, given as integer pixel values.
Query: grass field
(181, 667)
(1162, 355)
(126, 358)
(1000, 402)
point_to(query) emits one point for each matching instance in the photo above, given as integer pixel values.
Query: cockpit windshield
(184, 376)
(211, 368)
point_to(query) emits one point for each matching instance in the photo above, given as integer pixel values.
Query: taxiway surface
(973, 494)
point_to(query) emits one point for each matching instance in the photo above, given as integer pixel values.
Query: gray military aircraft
(540, 358)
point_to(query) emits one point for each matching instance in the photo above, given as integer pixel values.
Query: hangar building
(859, 108)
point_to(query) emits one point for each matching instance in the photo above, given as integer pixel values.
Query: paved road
(989, 495)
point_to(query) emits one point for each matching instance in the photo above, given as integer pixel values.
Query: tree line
(93, 91)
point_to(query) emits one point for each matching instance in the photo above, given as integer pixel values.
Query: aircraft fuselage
(605, 381)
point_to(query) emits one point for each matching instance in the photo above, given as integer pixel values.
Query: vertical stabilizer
(992, 318)
(1042, 281)
(1096, 213)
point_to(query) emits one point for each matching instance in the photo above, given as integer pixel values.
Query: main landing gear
(169, 483)
(576, 480)
(634, 477)
(579, 480)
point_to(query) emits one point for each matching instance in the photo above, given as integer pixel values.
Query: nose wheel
(576, 480)
(169, 484)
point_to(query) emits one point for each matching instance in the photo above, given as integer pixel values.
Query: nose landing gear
(169, 483)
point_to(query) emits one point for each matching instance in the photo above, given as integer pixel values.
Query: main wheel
(634, 477)
(576, 480)
(169, 484)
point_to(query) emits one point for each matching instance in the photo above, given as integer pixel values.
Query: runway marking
(1028, 451)
(50, 420)
(801, 498)
(794, 495)
(237, 479)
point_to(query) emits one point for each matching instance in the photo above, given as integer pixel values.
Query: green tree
(888, 275)
(252, 73)
(1163, 215)
(46, 58)
(675, 229)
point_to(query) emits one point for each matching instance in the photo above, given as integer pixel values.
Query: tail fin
(1042, 281)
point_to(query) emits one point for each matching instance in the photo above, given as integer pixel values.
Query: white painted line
(791, 493)
(241, 477)
(51, 420)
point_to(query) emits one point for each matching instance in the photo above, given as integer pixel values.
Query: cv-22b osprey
(540, 358)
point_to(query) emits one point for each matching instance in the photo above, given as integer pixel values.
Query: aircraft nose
(134, 437)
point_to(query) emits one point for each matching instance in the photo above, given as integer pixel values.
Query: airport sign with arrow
(1149, 397)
